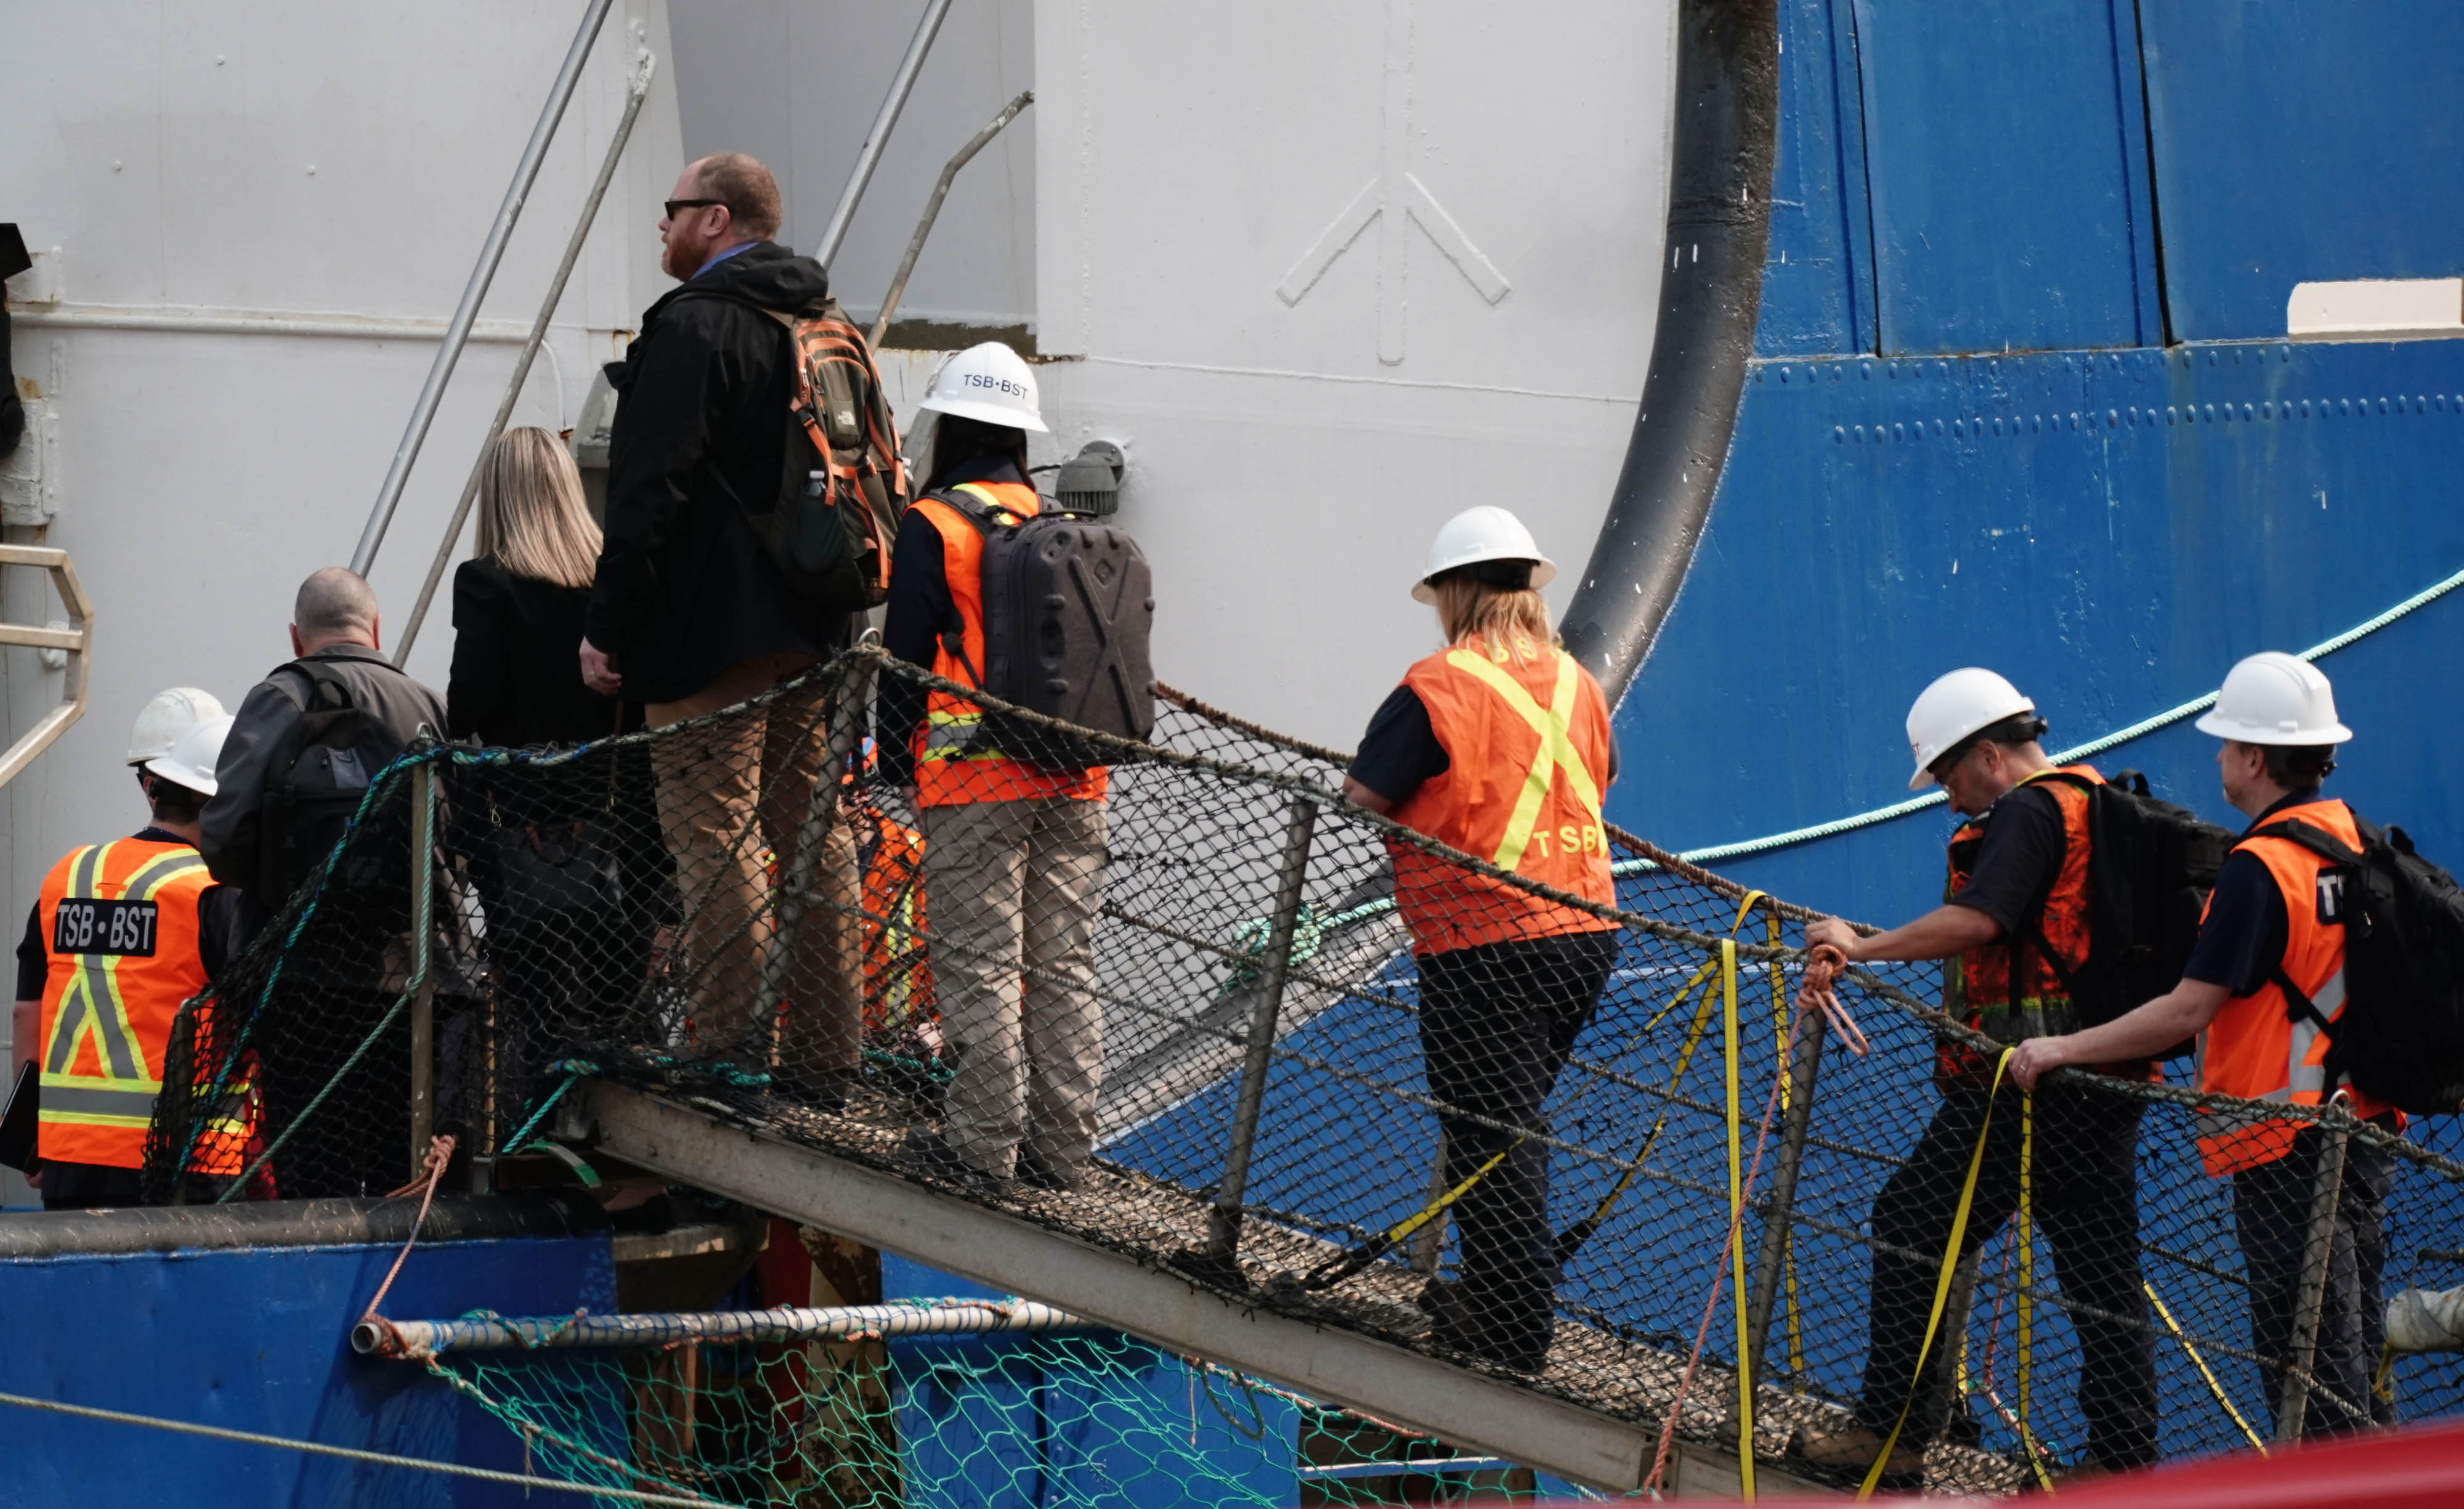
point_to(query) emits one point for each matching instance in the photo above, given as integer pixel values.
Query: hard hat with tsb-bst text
(989, 383)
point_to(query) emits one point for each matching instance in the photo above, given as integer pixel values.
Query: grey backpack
(1068, 611)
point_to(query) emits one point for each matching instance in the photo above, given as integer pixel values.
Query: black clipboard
(17, 1123)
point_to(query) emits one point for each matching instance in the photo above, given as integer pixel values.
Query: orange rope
(440, 1154)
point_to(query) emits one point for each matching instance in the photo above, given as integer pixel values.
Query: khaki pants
(726, 790)
(1012, 884)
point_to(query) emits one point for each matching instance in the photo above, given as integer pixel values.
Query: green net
(1087, 1419)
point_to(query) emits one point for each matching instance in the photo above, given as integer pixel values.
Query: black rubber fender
(1723, 144)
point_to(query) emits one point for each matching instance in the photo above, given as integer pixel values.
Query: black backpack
(315, 782)
(2150, 867)
(2401, 1033)
(1068, 610)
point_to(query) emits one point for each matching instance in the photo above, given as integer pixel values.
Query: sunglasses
(674, 204)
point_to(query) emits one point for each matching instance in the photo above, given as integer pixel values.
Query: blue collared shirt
(723, 257)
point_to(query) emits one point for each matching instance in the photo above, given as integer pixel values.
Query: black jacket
(230, 828)
(684, 588)
(516, 679)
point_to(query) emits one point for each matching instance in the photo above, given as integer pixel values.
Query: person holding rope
(2015, 917)
(1497, 745)
(2273, 935)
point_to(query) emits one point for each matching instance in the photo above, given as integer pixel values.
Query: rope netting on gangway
(1174, 1012)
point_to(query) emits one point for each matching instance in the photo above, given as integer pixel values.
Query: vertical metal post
(458, 333)
(867, 157)
(1805, 1064)
(637, 90)
(2327, 1192)
(1429, 1242)
(844, 723)
(422, 948)
(1224, 1222)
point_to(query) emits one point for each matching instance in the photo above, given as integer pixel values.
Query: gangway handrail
(77, 640)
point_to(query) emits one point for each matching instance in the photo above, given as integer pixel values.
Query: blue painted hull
(259, 1340)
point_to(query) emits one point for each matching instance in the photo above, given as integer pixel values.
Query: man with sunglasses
(2014, 917)
(688, 614)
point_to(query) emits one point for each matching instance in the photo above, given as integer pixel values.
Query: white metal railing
(77, 641)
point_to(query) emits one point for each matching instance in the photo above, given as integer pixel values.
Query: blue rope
(2093, 748)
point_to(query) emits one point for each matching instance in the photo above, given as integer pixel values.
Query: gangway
(704, 1142)
(1265, 1129)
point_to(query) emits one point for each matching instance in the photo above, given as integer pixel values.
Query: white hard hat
(1485, 533)
(988, 382)
(166, 718)
(191, 760)
(1953, 708)
(2275, 699)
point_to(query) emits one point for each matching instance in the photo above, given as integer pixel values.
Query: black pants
(2084, 1188)
(2272, 1213)
(1497, 1022)
(90, 1186)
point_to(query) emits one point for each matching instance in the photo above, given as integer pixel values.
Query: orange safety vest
(947, 772)
(1525, 732)
(119, 923)
(1981, 991)
(2254, 1048)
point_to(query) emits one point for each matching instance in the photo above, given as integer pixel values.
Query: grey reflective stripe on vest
(2309, 1077)
(2299, 1078)
(60, 1099)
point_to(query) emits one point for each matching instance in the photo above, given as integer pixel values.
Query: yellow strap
(1404, 1229)
(989, 499)
(2028, 1280)
(2214, 1387)
(1737, 1218)
(1556, 751)
(1941, 1285)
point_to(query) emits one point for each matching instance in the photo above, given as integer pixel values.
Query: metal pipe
(1805, 1065)
(423, 950)
(636, 91)
(1224, 1222)
(491, 252)
(933, 210)
(265, 1224)
(2327, 1192)
(415, 1339)
(165, 319)
(867, 157)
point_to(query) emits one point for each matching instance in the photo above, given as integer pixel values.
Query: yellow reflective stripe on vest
(1556, 751)
(962, 727)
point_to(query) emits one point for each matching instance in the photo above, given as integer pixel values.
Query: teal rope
(310, 1109)
(574, 1069)
(247, 1030)
(2093, 748)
